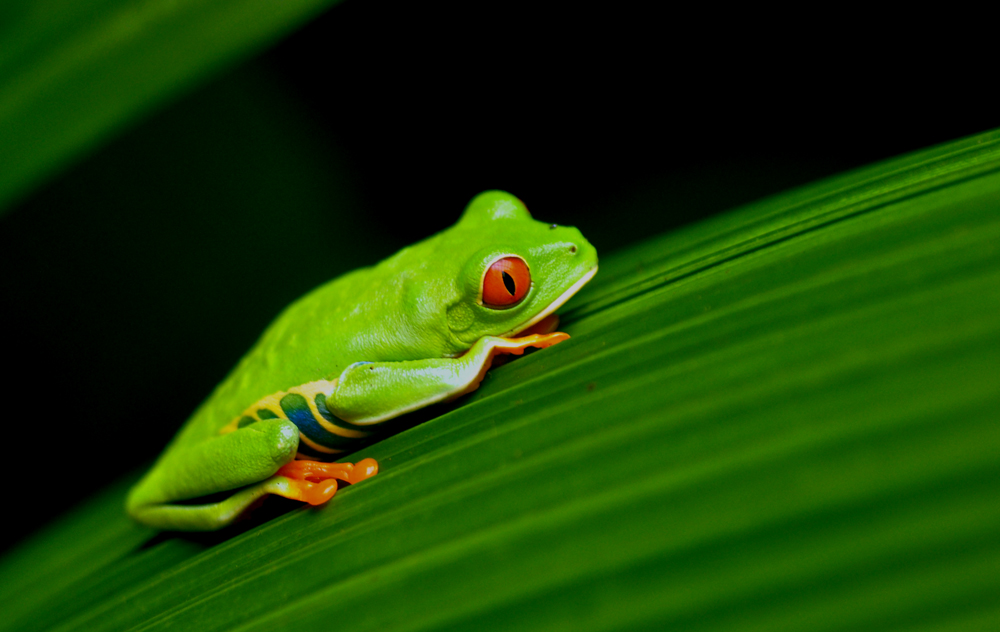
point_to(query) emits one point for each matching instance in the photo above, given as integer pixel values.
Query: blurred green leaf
(72, 73)
(782, 418)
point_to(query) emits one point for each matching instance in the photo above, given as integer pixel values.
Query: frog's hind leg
(206, 517)
(166, 496)
(306, 481)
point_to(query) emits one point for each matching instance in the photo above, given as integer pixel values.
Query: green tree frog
(421, 327)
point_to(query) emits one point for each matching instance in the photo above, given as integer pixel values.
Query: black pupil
(508, 282)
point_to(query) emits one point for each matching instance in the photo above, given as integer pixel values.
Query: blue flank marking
(298, 413)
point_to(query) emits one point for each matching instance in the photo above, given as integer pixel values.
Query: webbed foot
(314, 482)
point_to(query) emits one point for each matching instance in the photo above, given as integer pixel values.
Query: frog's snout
(579, 249)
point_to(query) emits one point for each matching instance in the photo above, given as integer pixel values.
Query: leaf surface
(782, 418)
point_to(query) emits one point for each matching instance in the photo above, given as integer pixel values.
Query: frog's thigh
(209, 517)
(229, 461)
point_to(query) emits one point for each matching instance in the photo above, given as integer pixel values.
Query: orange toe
(319, 493)
(303, 491)
(317, 472)
(365, 468)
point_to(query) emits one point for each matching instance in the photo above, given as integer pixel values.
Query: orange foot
(512, 346)
(525, 339)
(315, 483)
(516, 346)
(545, 326)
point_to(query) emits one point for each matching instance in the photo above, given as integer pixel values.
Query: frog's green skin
(375, 343)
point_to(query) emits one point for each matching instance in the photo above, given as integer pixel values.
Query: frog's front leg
(372, 392)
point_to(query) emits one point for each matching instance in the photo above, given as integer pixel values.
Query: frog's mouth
(545, 321)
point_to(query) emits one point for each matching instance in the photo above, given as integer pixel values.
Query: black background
(134, 281)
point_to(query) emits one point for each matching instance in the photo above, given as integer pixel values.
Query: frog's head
(511, 271)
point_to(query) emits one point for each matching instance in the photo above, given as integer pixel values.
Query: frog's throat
(556, 304)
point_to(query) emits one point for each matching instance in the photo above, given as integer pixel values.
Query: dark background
(133, 282)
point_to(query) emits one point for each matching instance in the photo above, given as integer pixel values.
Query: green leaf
(75, 72)
(782, 418)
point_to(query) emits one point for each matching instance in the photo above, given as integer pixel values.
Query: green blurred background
(133, 280)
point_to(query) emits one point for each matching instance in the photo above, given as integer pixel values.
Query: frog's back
(308, 341)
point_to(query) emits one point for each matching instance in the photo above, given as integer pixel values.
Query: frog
(419, 328)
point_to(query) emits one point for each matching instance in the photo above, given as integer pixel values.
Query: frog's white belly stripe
(322, 435)
(317, 447)
(556, 304)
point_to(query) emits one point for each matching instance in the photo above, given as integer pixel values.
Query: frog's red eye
(506, 282)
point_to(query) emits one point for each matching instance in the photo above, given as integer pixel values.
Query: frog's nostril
(572, 250)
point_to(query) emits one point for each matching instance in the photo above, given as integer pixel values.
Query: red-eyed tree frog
(418, 328)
